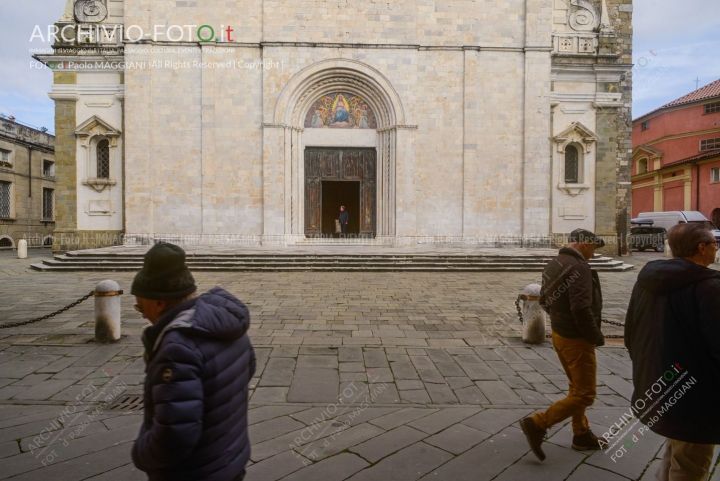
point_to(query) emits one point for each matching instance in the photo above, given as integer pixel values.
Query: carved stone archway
(287, 133)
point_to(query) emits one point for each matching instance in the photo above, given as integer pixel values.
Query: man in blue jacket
(199, 365)
(672, 331)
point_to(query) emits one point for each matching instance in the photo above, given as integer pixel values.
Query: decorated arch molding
(339, 75)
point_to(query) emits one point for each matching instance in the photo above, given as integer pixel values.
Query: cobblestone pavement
(397, 376)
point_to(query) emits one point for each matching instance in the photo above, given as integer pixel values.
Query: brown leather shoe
(586, 442)
(535, 436)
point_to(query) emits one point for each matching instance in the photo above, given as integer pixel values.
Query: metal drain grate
(127, 402)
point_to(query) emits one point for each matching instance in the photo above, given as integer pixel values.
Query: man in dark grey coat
(572, 296)
(672, 331)
(199, 365)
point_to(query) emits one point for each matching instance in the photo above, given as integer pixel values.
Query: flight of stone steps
(288, 262)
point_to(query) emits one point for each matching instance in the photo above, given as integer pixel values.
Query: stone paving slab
(398, 377)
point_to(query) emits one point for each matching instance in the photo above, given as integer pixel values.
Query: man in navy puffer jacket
(199, 364)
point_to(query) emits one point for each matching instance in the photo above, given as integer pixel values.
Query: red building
(676, 155)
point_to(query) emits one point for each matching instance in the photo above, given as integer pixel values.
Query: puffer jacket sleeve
(177, 399)
(580, 290)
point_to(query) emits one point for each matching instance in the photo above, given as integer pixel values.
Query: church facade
(253, 121)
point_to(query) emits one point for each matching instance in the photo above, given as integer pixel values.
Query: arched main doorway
(341, 121)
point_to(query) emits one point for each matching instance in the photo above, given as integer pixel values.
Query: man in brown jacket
(572, 296)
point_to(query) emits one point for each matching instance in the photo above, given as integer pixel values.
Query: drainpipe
(30, 151)
(697, 186)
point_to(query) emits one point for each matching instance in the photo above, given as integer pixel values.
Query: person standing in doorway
(672, 331)
(344, 219)
(572, 296)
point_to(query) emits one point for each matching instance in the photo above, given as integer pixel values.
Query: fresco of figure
(341, 115)
(317, 121)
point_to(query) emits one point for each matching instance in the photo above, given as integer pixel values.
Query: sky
(676, 45)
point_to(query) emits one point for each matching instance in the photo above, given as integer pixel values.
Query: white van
(670, 219)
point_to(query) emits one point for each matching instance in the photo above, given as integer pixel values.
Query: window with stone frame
(642, 166)
(103, 159)
(48, 207)
(5, 157)
(572, 165)
(48, 168)
(710, 144)
(5, 200)
(712, 108)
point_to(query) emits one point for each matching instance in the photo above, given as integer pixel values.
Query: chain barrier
(606, 321)
(519, 310)
(48, 316)
(614, 323)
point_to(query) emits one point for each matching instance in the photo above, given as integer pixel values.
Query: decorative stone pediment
(575, 133)
(96, 126)
(90, 134)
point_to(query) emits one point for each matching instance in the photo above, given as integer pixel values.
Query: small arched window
(103, 159)
(572, 165)
(642, 166)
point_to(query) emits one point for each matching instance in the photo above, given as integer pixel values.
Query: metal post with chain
(48, 316)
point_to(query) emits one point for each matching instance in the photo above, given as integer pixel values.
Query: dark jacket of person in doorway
(199, 365)
(344, 218)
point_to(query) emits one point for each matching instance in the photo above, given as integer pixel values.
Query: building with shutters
(27, 184)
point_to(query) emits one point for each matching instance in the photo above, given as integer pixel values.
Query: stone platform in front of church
(337, 255)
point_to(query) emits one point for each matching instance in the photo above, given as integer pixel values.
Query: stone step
(326, 263)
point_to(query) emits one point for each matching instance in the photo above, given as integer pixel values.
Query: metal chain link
(48, 316)
(614, 323)
(517, 305)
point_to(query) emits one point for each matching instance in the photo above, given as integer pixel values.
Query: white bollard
(107, 311)
(533, 315)
(668, 250)
(22, 249)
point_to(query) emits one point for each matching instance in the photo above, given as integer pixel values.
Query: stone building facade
(27, 184)
(468, 121)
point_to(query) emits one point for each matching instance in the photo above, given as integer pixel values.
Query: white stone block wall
(204, 156)
(493, 143)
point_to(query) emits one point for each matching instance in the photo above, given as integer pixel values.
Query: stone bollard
(22, 249)
(533, 316)
(107, 311)
(668, 251)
